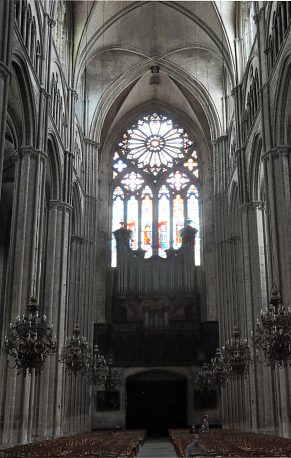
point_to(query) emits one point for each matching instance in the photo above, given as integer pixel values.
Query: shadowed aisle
(156, 448)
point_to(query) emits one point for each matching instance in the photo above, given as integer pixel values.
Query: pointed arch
(255, 168)
(77, 213)
(54, 174)
(23, 106)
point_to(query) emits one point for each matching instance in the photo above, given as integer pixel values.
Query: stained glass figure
(146, 224)
(132, 220)
(178, 220)
(155, 174)
(164, 221)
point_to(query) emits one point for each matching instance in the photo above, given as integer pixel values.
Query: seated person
(194, 448)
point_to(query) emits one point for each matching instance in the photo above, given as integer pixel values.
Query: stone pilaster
(237, 96)
(96, 245)
(55, 307)
(220, 163)
(264, 94)
(259, 404)
(75, 418)
(23, 273)
(277, 168)
(6, 27)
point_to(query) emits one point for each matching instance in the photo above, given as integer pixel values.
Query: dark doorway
(156, 401)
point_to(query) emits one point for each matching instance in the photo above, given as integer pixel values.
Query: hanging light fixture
(98, 368)
(75, 354)
(237, 354)
(112, 377)
(273, 332)
(204, 379)
(219, 369)
(30, 341)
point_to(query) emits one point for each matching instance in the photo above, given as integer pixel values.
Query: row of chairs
(109, 444)
(223, 443)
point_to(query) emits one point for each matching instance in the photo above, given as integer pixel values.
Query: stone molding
(89, 141)
(78, 238)
(256, 205)
(59, 205)
(235, 90)
(239, 152)
(45, 93)
(220, 139)
(74, 93)
(232, 239)
(278, 151)
(257, 17)
(51, 23)
(264, 88)
(29, 151)
(69, 153)
(4, 71)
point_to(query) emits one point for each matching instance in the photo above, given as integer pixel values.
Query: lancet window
(155, 185)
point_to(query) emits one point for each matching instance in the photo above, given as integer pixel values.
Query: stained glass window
(155, 175)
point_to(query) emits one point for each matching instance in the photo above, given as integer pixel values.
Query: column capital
(4, 71)
(239, 151)
(29, 151)
(69, 153)
(51, 23)
(235, 90)
(281, 150)
(256, 205)
(229, 240)
(59, 205)
(221, 138)
(264, 88)
(74, 93)
(45, 93)
(89, 141)
(78, 238)
(257, 17)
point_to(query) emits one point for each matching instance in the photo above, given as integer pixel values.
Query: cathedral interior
(145, 213)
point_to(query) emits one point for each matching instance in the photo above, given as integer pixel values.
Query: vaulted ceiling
(117, 42)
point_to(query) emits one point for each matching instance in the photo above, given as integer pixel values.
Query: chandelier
(273, 332)
(219, 368)
(30, 341)
(236, 354)
(204, 379)
(75, 354)
(112, 376)
(97, 368)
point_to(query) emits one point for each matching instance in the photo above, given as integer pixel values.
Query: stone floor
(156, 448)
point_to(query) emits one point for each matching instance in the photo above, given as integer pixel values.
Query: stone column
(260, 404)
(23, 274)
(77, 313)
(6, 27)
(55, 298)
(264, 92)
(277, 168)
(96, 243)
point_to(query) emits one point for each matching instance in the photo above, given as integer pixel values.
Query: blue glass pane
(132, 220)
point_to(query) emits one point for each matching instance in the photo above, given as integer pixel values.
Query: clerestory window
(156, 185)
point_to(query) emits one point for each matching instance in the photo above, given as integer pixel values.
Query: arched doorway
(156, 401)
